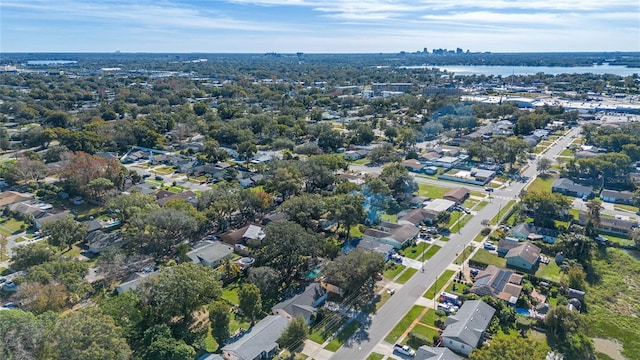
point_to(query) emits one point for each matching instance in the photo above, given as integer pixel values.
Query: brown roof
(416, 216)
(458, 194)
(525, 250)
(412, 163)
(163, 197)
(11, 197)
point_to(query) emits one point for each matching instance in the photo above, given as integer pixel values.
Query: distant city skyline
(314, 26)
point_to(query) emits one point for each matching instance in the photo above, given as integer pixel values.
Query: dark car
(159, 178)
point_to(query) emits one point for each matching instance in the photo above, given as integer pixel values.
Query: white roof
(439, 205)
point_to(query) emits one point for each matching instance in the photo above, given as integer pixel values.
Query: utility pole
(422, 259)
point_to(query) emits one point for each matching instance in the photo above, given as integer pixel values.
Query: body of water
(523, 311)
(505, 71)
(51, 62)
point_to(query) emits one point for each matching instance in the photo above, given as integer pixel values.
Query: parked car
(404, 350)
(446, 307)
(474, 272)
(488, 246)
(467, 210)
(488, 189)
(585, 198)
(391, 291)
(159, 178)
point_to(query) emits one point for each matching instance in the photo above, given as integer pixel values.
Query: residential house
(135, 280)
(211, 253)
(430, 170)
(246, 233)
(164, 196)
(396, 235)
(353, 155)
(608, 225)
(584, 154)
(417, 216)
(482, 175)
(437, 206)
(567, 187)
(304, 304)
(446, 162)
(507, 244)
(276, 217)
(524, 256)
(457, 195)
(464, 330)
(49, 217)
(532, 232)
(98, 241)
(435, 353)
(259, 342)
(413, 165)
(210, 356)
(499, 283)
(617, 197)
(429, 156)
(12, 197)
(385, 250)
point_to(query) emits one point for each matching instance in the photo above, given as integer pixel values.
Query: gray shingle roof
(435, 353)
(260, 338)
(469, 323)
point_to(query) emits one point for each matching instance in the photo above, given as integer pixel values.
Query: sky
(318, 26)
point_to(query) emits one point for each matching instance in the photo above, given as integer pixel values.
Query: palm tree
(230, 270)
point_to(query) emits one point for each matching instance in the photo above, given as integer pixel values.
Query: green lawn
(430, 317)
(619, 240)
(461, 223)
(320, 334)
(392, 218)
(362, 161)
(439, 284)
(375, 356)
(432, 191)
(541, 184)
(478, 238)
(503, 211)
(464, 255)
(431, 251)
(406, 275)
(425, 331)
(414, 251)
(613, 301)
(550, 271)
(566, 153)
(230, 294)
(392, 272)
(163, 170)
(485, 257)
(404, 324)
(13, 224)
(481, 205)
(343, 335)
(625, 207)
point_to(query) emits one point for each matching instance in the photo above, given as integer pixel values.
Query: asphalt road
(405, 297)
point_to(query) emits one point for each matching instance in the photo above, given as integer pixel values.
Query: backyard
(541, 184)
(487, 258)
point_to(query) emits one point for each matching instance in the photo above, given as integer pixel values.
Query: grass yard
(481, 205)
(550, 271)
(612, 301)
(430, 317)
(432, 191)
(503, 211)
(464, 255)
(566, 153)
(461, 223)
(230, 293)
(406, 275)
(439, 284)
(392, 218)
(431, 251)
(392, 272)
(541, 184)
(343, 335)
(632, 208)
(404, 324)
(485, 257)
(362, 161)
(163, 170)
(322, 333)
(13, 225)
(414, 251)
(375, 356)
(425, 331)
(618, 240)
(479, 238)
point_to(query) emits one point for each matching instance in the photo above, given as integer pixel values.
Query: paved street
(395, 308)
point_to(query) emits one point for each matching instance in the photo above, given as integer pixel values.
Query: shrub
(417, 340)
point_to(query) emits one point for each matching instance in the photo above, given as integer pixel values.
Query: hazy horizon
(323, 27)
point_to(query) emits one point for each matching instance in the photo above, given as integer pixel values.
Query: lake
(505, 71)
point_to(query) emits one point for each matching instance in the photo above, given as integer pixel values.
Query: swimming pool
(523, 311)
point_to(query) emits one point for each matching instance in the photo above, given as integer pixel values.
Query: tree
(127, 311)
(354, 272)
(512, 348)
(97, 188)
(4, 240)
(39, 298)
(593, 216)
(25, 170)
(88, 334)
(200, 108)
(287, 248)
(30, 255)
(304, 209)
(158, 231)
(81, 168)
(250, 301)
(566, 332)
(544, 164)
(246, 150)
(383, 154)
(23, 335)
(219, 318)
(168, 348)
(126, 206)
(166, 295)
(294, 334)
(346, 210)
(68, 272)
(575, 246)
(230, 270)
(285, 181)
(266, 279)
(399, 181)
(64, 232)
(544, 207)
(576, 277)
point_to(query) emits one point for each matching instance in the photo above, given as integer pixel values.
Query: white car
(404, 350)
